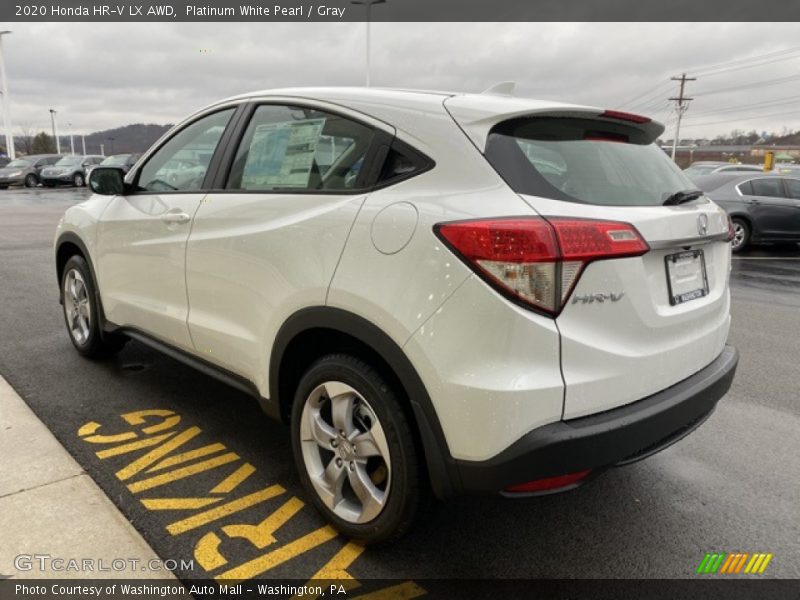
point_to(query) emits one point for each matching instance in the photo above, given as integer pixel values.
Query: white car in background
(474, 293)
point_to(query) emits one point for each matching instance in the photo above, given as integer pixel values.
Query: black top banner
(395, 10)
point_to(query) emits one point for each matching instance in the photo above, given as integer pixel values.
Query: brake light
(731, 232)
(550, 483)
(536, 261)
(625, 116)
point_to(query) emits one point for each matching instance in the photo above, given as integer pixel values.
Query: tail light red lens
(537, 261)
(625, 116)
(731, 232)
(549, 484)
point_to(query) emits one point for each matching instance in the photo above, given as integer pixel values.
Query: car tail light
(536, 261)
(731, 232)
(549, 484)
(625, 116)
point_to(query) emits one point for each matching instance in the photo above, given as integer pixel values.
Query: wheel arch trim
(442, 468)
(69, 237)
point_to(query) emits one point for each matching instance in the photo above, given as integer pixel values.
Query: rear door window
(583, 160)
(793, 186)
(294, 148)
(771, 187)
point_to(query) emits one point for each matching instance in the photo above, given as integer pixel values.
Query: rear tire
(31, 180)
(81, 312)
(77, 180)
(741, 235)
(354, 449)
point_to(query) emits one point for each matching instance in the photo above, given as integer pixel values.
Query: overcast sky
(103, 75)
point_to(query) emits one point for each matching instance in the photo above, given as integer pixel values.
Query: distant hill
(130, 138)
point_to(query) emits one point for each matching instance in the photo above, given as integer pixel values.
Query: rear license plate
(686, 276)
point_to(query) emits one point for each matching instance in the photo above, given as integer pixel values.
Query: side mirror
(107, 181)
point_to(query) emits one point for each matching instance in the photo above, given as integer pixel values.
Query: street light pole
(83, 143)
(6, 101)
(55, 130)
(71, 140)
(368, 4)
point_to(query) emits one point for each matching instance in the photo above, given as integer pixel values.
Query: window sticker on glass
(282, 154)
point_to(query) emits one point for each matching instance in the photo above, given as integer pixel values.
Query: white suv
(446, 292)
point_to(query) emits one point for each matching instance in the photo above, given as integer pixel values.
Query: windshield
(116, 161)
(583, 160)
(698, 170)
(18, 163)
(69, 161)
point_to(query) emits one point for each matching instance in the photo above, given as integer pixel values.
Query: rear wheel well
(65, 251)
(745, 219)
(311, 345)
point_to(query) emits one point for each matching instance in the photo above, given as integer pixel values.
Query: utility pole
(6, 101)
(83, 142)
(681, 106)
(71, 139)
(102, 149)
(368, 4)
(55, 130)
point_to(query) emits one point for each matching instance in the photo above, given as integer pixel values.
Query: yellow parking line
(133, 446)
(177, 503)
(171, 461)
(170, 476)
(270, 560)
(234, 479)
(224, 510)
(336, 569)
(148, 459)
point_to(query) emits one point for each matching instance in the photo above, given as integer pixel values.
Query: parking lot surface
(732, 486)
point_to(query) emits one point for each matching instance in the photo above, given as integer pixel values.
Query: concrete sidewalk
(50, 506)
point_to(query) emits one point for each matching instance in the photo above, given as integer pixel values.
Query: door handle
(753, 201)
(176, 217)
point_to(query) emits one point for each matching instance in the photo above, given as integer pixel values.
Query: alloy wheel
(77, 307)
(739, 234)
(345, 452)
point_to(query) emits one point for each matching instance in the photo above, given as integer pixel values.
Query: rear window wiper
(682, 196)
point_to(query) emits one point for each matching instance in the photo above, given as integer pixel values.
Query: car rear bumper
(614, 437)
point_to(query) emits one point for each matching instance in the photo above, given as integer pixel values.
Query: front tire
(354, 449)
(81, 312)
(741, 235)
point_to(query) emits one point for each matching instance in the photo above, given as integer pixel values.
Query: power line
(703, 69)
(766, 82)
(788, 112)
(648, 96)
(758, 64)
(659, 87)
(767, 104)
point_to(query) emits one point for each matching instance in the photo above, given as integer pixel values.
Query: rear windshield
(700, 170)
(116, 160)
(583, 160)
(19, 163)
(69, 161)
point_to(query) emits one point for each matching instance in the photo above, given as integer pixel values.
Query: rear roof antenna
(506, 88)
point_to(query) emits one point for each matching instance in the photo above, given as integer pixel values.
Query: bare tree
(25, 138)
